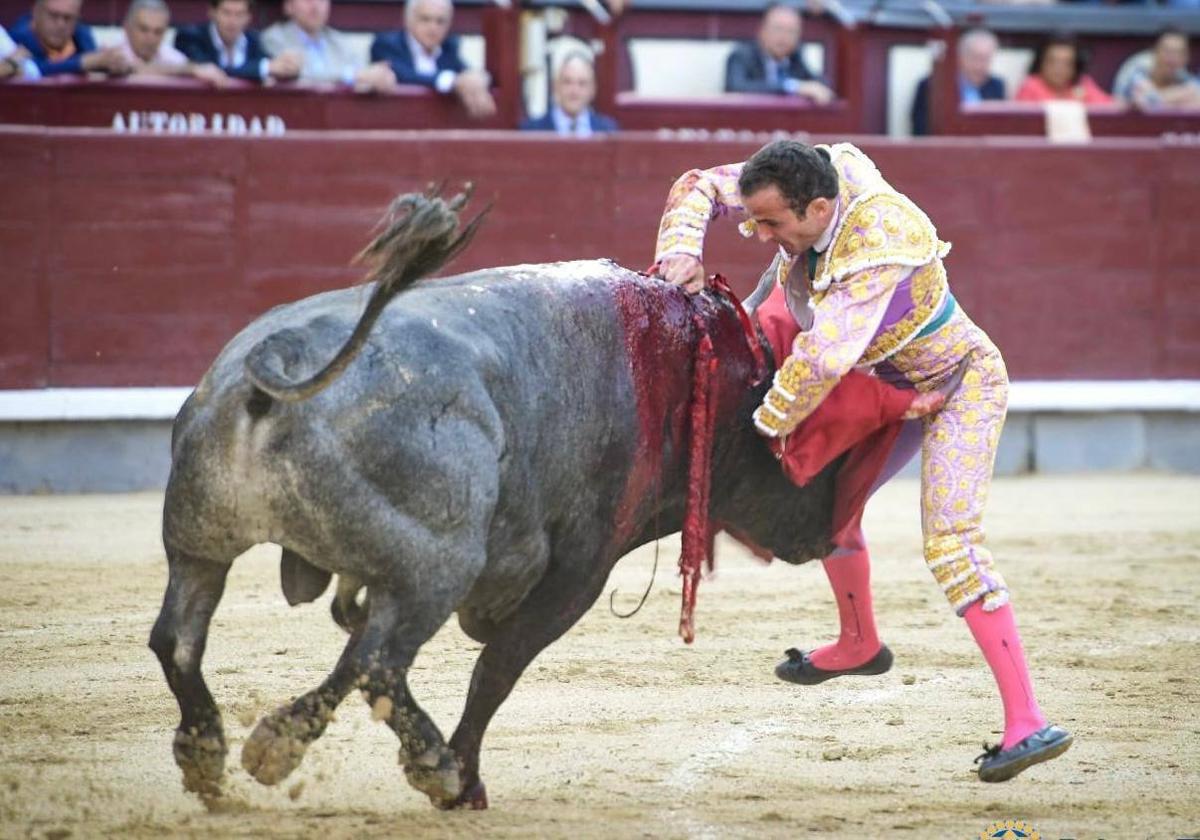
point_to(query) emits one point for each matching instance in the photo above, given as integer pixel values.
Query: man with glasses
(60, 44)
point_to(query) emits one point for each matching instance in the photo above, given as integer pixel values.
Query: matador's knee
(964, 569)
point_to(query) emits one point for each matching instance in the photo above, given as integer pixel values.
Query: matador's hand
(931, 402)
(682, 270)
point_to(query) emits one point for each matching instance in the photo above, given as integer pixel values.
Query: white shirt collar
(562, 123)
(318, 41)
(424, 61)
(238, 50)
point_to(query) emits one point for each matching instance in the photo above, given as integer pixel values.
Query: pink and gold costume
(877, 297)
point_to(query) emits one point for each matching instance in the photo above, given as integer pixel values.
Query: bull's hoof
(436, 773)
(275, 748)
(202, 760)
(473, 799)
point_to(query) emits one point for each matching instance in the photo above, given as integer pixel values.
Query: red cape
(861, 414)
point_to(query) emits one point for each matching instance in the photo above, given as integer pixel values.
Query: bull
(490, 446)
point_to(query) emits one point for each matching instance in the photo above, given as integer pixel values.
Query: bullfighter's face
(775, 220)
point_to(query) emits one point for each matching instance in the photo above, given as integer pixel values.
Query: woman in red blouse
(1059, 71)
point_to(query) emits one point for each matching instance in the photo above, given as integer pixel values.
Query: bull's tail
(420, 234)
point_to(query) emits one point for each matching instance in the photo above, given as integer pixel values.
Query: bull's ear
(302, 582)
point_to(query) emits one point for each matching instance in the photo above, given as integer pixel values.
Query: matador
(860, 278)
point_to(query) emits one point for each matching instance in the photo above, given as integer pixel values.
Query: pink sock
(850, 576)
(996, 634)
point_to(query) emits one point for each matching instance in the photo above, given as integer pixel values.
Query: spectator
(571, 114)
(143, 43)
(1059, 71)
(326, 54)
(1166, 82)
(15, 61)
(773, 63)
(425, 53)
(976, 51)
(228, 42)
(60, 44)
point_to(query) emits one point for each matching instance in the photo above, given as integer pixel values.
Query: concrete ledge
(1071, 443)
(84, 457)
(1155, 395)
(1105, 395)
(53, 404)
(118, 439)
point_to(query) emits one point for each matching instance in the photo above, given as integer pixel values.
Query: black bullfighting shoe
(798, 668)
(997, 765)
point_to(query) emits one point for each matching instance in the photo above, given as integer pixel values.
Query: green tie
(813, 256)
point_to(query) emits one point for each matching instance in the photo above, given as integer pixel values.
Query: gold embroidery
(768, 422)
(884, 222)
(927, 291)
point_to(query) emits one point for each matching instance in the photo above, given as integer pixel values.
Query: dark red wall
(131, 260)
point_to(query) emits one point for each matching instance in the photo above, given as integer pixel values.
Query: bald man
(976, 52)
(425, 53)
(571, 113)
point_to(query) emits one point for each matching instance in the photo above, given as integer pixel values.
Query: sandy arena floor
(619, 730)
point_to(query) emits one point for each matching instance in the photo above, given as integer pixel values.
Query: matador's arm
(844, 321)
(697, 197)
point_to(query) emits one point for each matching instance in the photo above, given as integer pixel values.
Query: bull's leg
(276, 746)
(550, 610)
(397, 625)
(194, 589)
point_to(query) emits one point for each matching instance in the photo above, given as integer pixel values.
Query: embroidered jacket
(877, 286)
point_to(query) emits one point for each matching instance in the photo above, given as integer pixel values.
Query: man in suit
(58, 43)
(976, 50)
(571, 114)
(326, 54)
(228, 42)
(425, 53)
(773, 63)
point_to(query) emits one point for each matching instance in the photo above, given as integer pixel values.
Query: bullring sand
(619, 730)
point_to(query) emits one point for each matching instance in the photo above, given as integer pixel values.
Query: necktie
(811, 263)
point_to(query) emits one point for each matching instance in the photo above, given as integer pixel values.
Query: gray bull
(492, 449)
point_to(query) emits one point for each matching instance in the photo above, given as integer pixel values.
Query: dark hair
(800, 172)
(1060, 39)
(215, 3)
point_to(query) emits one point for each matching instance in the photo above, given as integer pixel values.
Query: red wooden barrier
(130, 260)
(64, 101)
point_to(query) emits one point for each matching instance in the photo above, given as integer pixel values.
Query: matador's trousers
(958, 451)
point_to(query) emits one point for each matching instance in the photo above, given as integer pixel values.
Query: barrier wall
(130, 260)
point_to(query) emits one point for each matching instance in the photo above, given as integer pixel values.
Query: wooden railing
(130, 259)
